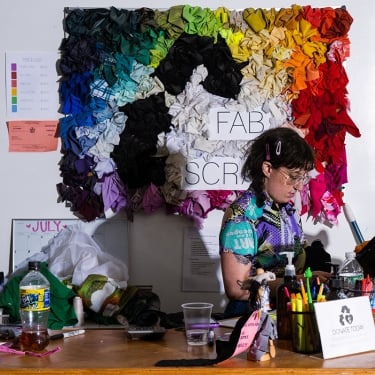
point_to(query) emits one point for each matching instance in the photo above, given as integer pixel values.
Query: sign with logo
(346, 326)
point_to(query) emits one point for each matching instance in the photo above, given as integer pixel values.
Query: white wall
(27, 188)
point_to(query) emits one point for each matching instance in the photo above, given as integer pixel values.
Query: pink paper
(248, 333)
(6, 349)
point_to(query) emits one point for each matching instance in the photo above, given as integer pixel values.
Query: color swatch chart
(32, 85)
(13, 90)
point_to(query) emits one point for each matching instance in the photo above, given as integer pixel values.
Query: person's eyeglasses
(294, 180)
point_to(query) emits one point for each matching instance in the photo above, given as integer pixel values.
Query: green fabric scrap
(62, 312)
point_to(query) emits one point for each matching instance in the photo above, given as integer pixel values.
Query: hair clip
(278, 148)
(268, 156)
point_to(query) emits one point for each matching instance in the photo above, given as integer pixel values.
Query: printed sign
(224, 124)
(346, 326)
(224, 173)
(219, 173)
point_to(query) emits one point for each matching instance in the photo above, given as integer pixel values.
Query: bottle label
(35, 299)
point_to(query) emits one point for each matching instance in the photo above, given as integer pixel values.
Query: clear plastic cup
(197, 317)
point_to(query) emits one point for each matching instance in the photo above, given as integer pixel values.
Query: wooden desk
(104, 352)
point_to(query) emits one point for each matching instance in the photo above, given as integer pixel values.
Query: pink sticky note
(248, 333)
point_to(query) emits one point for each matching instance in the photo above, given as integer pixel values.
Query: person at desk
(262, 222)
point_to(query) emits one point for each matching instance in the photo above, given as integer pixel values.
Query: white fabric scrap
(74, 253)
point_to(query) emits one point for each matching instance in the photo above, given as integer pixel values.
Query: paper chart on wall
(31, 81)
(30, 236)
(201, 261)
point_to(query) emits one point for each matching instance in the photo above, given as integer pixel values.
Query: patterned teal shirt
(261, 234)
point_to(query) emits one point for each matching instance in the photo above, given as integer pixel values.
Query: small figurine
(259, 289)
(261, 275)
(262, 347)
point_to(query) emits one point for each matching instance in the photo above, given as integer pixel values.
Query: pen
(210, 325)
(367, 286)
(320, 293)
(293, 300)
(303, 291)
(315, 288)
(308, 275)
(211, 337)
(299, 302)
(286, 292)
(353, 223)
(67, 334)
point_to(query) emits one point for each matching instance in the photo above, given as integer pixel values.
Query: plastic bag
(74, 254)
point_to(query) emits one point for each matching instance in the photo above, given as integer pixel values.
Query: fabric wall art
(158, 105)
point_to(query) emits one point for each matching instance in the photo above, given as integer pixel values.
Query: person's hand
(323, 276)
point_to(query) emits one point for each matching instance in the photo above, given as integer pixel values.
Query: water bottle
(350, 272)
(335, 285)
(34, 309)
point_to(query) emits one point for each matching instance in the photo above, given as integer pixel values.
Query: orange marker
(303, 291)
(319, 297)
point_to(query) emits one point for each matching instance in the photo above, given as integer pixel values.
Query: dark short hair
(282, 147)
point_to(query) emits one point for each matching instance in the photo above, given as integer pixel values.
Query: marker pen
(353, 223)
(211, 337)
(67, 334)
(209, 325)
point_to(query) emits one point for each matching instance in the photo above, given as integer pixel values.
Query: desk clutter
(253, 334)
(78, 293)
(69, 282)
(299, 310)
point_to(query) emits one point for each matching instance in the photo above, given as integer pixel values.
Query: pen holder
(305, 332)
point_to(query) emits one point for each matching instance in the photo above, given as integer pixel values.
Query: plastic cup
(305, 332)
(197, 317)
